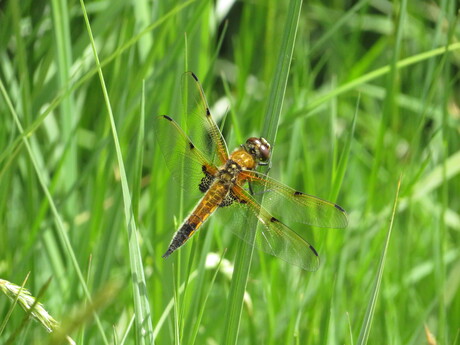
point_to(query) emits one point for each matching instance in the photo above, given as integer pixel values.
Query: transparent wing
(288, 203)
(272, 237)
(187, 164)
(201, 127)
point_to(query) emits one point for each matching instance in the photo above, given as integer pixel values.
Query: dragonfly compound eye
(264, 150)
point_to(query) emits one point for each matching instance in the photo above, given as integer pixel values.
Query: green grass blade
(64, 239)
(139, 157)
(389, 106)
(339, 172)
(143, 320)
(379, 72)
(367, 322)
(275, 105)
(69, 88)
(278, 89)
(61, 24)
(338, 25)
(202, 307)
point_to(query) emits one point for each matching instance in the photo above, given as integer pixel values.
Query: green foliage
(372, 95)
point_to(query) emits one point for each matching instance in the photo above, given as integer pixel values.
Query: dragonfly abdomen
(207, 205)
(181, 236)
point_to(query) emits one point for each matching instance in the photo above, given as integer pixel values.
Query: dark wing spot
(339, 208)
(194, 76)
(204, 169)
(228, 200)
(313, 250)
(242, 201)
(298, 193)
(190, 144)
(167, 118)
(208, 113)
(273, 220)
(206, 182)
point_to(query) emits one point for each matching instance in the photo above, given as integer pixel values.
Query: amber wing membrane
(272, 236)
(185, 161)
(201, 127)
(292, 205)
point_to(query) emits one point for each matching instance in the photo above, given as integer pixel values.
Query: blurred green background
(391, 66)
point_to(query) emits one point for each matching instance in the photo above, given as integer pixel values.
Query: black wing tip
(314, 251)
(168, 253)
(344, 216)
(314, 266)
(298, 193)
(167, 117)
(194, 75)
(339, 208)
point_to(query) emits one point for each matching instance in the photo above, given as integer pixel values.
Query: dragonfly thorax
(244, 159)
(228, 174)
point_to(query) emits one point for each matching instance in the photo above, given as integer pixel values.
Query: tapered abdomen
(207, 205)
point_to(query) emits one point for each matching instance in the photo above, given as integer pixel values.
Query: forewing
(292, 205)
(201, 127)
(272, 236)
(187, 164)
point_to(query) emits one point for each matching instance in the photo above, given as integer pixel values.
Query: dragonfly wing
(272, 236)
(281, 200)
(201, 127)
(187, 164)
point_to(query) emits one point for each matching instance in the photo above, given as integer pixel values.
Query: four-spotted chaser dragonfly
(227, 181)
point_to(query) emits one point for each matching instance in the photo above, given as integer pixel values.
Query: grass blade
(61, 24)
(275, 105)
(389, 106)
(64, 239)
(381, 72)
(143, 319)
(367, 323)
(339, 172)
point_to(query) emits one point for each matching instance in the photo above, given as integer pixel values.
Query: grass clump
(369, 93)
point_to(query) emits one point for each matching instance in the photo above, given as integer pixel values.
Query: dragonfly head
(259, 148)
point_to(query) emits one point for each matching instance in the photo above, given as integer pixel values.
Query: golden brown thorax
(244, 159)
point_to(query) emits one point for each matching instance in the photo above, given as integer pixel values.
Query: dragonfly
(226, 183)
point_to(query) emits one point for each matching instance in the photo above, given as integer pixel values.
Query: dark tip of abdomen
(168, 253)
